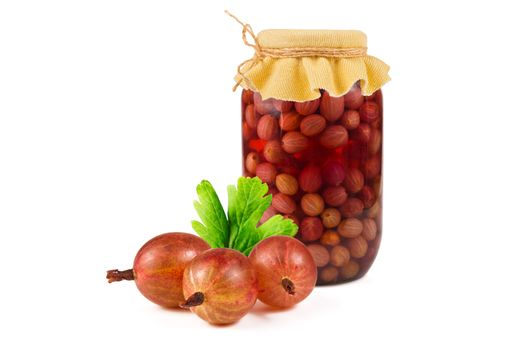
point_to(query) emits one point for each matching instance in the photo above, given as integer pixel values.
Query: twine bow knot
(258, 56)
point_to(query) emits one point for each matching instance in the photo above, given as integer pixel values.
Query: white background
(112, 111)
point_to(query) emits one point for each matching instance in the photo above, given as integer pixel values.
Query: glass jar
(322, 162)
(312, 129)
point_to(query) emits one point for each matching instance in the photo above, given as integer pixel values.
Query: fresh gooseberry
(220, 286)
(159, 266)
(286, 271)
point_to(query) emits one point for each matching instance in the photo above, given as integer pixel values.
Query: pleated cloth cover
(300, 78)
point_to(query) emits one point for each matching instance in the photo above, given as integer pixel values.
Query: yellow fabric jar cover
(293, 65)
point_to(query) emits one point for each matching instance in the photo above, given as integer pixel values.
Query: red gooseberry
(220, 286)
(286, 271)
(159, 266)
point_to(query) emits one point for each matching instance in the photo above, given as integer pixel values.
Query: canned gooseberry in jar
(312, 129)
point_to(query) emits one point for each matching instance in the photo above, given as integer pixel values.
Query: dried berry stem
(116, 275)
(195, 299)
(288, 286)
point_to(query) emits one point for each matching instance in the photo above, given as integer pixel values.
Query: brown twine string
(315, 52)
(288, 52)
(246, 28)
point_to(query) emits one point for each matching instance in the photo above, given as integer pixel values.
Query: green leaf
(275, 226)
(246, 205)
(214, 228)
